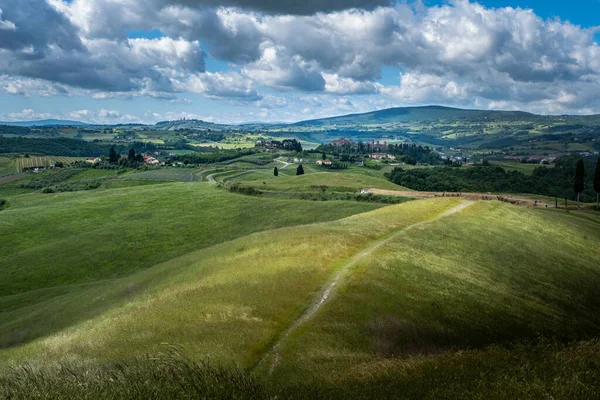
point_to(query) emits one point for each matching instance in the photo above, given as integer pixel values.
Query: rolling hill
(426, 299)
(417, 114)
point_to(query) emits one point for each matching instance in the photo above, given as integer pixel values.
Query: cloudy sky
(114, 61)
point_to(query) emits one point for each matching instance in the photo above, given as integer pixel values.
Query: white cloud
(220, 86)
(6, 25)
(459, 53)
(26, 115)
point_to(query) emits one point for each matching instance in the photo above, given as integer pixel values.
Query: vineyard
(43, 161)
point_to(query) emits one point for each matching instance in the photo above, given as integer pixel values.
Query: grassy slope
(527, 169)
(334, 180)
(226, 302)
(492, 274)
(7, 166)
(64, 244)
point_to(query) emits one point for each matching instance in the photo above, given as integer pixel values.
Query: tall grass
(168, 375)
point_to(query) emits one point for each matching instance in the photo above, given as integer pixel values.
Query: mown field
(493, 301)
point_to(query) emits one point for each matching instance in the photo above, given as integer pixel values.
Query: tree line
(566, 179)
(66, 147)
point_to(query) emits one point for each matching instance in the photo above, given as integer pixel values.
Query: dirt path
(210, 177)
(285, 164)
(273, 354)
(528, 201)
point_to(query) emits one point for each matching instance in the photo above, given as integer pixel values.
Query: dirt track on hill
(273, 354)
(508, 198)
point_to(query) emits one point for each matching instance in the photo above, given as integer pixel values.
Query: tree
(300, 170)
(275, 171)
(579, 176)
(131, 155)
(597, 184)
(323, 156)
(113, 157)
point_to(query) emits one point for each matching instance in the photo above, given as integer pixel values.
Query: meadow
(268, 297)
(91, 237)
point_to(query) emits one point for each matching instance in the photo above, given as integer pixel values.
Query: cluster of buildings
(382, 156)
(341, 142)
(148, 160)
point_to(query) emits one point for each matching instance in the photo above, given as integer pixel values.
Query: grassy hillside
(57, 245)
(196, 299)
(339, 180)
(493, 274)
(408, 114)
(491, 301)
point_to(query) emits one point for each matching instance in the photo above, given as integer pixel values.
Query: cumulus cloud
(305, 7)
(6, 25)
(25, 114)
(457, 53)
(220, 86)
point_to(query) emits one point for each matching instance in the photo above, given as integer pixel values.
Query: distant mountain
(45, 122)
(415, 114)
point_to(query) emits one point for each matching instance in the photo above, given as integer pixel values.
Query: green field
(7, 166)
(527, 169)
(437, 298)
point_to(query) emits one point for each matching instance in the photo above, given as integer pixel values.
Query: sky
(235, 61)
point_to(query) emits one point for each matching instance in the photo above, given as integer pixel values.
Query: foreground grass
(495, 301)
(541, 371)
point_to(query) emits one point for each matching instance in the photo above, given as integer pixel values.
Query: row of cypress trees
(299, 170)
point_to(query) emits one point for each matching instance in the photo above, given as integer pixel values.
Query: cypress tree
(275, 171)
(300, 170)
(597, 184)
(131, 155)
(579, 176)
(113, 157)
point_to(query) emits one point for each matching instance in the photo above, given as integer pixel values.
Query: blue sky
(259, 60)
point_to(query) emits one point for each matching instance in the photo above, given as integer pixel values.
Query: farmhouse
(382, 156)
(324, 162)
(148, 160)
(92, 160)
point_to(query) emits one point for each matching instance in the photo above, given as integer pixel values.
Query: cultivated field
(42, 161)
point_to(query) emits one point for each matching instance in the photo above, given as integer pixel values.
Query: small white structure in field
(365, 191)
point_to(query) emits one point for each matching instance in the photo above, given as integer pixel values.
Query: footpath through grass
(227, 302)
(492, 275)
(493, 302)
